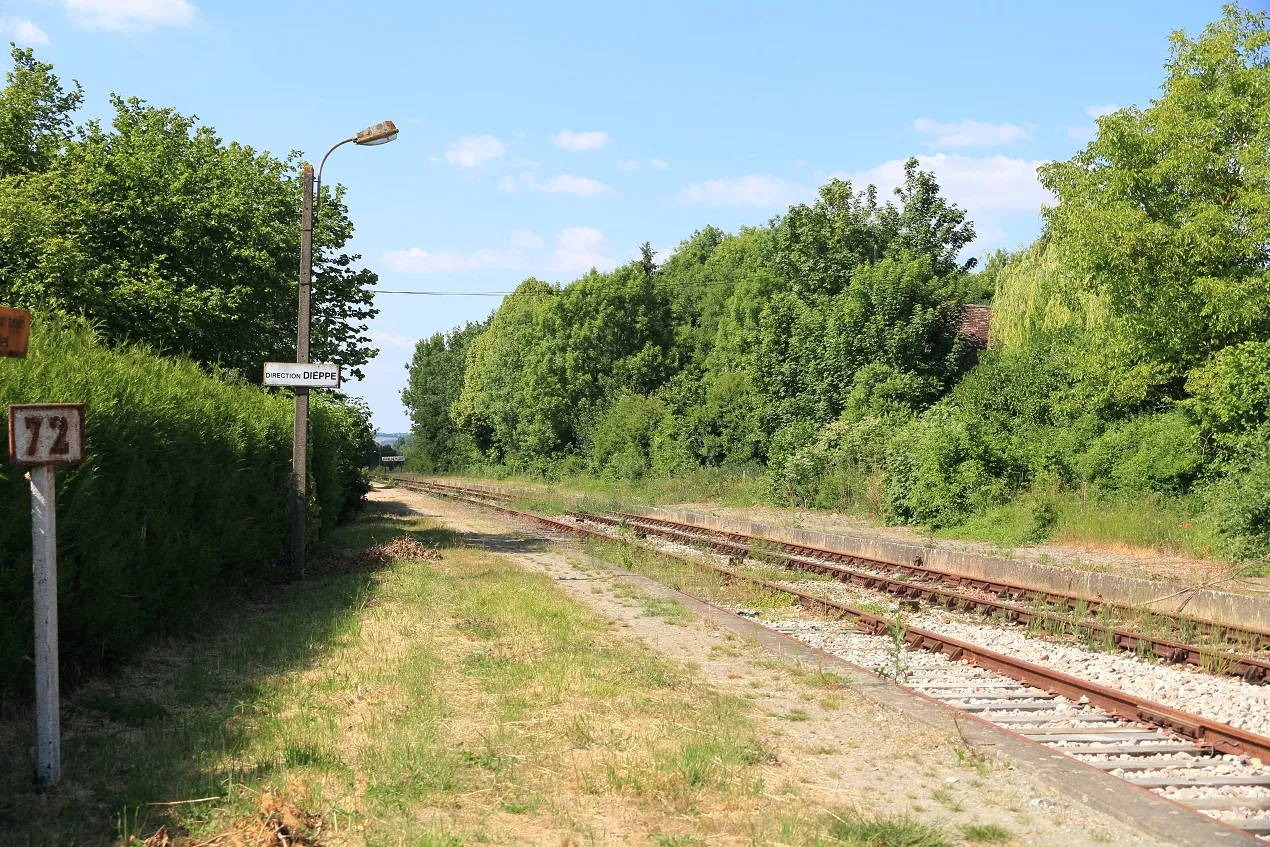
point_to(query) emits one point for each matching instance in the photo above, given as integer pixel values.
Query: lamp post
(380, 133)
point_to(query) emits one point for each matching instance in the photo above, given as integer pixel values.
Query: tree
(35, 115)
(161, 233)
(435, 382)
(819, 247)
(1165, 216)
(806, 357)
(646, 263)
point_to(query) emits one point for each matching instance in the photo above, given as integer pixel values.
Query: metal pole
(300, 435)
(48, 736)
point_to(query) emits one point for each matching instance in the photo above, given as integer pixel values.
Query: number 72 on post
(46, 434)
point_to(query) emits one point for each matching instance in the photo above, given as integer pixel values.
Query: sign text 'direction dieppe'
(302, 376)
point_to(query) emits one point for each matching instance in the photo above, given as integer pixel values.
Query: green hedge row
(184, 494)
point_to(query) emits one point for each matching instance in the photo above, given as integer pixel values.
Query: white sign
(390, 459)
(302, 376)
(46, 434)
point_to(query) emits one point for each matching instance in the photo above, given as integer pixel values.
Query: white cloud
(386, 339)
(577, 249)
(580, 248)
(526, 239)
(1097, 111)
(969, 133)
(973, 182)
(569, 184)
(753, 190)
(562, 184)
(579, 141)
(418, 261)
(473, 151)
(131, 14)
(635, 164)
(22, 31)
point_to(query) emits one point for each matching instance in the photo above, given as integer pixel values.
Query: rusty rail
(1255, 638)
(1251, 669)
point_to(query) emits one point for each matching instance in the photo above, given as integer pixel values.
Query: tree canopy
(160, 232)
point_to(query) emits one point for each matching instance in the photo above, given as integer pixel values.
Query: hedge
(183, 496)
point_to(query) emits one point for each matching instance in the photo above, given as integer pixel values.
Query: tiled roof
(975, 321)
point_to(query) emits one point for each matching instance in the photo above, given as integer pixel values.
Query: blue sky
(542, 139)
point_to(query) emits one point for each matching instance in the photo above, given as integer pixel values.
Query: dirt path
(837, 748)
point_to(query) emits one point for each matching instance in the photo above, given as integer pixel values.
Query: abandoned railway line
(1205, 765)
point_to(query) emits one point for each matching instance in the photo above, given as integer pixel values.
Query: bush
(1147, 453)
(185, 492)
(622, 439)
(1231, 392)
(939, 472)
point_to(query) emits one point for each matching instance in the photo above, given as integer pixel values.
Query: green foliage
(161, 233)
(807, 354)
(35, 115)
(623, 441)
(1146, 453)
(436, 379)
(820, 247)
(1231, 392)
(184, 494)
(1036, 293)
(1166, 214)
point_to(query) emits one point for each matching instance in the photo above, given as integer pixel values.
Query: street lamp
(380, 133)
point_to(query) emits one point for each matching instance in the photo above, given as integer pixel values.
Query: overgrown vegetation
(1131, 343)
(183, 497)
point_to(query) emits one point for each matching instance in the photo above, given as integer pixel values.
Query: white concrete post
(48, 734)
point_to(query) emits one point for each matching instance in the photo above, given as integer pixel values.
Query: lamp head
(380, 133)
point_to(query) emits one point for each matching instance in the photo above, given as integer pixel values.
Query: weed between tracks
(443, 699)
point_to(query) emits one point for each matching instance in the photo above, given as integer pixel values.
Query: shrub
(1146, 453)
(1231, 392)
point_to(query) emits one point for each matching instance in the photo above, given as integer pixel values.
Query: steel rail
(1251, 669)
(1221, 737)
(1013, 591)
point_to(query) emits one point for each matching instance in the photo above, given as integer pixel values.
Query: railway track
(1205, 766)
(1168, 636)
(960, 594)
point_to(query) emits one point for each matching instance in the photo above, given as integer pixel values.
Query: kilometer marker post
(42, 436)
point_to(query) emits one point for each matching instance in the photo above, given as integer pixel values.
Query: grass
(418, 703)
(855, 831)
(745, 487)
(671, 611)
(986, 833)
(1115, 523)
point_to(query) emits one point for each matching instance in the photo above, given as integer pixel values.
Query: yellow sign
(15, 330)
